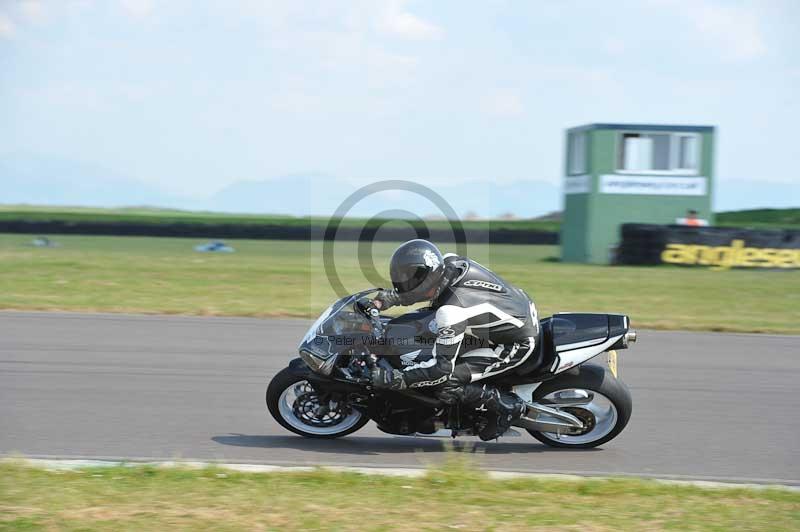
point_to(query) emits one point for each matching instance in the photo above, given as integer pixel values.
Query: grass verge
(451, 497)
(285, 278)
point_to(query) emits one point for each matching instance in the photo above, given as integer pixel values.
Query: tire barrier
(718, 247)
(270, 231)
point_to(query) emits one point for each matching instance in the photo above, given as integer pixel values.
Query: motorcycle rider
(472, 305)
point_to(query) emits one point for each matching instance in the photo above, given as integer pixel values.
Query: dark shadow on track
(366, 445)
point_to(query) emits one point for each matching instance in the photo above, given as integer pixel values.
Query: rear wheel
(593, 395)
(298, 407)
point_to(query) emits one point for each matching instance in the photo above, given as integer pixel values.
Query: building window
(687, 152)
(659, 153)
(577, 153)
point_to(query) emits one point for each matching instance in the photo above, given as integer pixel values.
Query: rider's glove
(388, 298)
(366, 305)
(387, 379)
(451, 392)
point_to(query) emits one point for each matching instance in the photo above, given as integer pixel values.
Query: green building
(620, 173)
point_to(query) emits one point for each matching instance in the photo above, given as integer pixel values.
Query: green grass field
(284, 278)
(148, 498)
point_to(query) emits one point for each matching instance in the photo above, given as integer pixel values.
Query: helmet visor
(416, 278)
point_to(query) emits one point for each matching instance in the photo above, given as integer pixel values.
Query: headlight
(318, 364)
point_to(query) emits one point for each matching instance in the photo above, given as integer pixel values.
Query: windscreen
(341, 326)
(344, 320)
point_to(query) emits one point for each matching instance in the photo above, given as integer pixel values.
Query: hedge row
(272, 232)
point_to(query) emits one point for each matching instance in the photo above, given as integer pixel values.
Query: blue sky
(192, 96)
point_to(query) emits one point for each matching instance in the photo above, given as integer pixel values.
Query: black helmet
(417, 270)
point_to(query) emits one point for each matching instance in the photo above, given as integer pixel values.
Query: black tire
(283, 380)
(595, 378)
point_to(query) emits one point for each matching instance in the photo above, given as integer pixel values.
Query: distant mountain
(322, 195)
(299, 195)
(45, 180)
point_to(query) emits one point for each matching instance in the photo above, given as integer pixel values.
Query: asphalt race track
(706, 406)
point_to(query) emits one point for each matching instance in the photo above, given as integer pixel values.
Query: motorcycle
(327, 392)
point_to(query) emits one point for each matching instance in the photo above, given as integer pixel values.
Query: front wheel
(296, 405)
(593, 395)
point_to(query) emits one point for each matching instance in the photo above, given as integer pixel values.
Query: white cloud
(137, 8)
(385, 69)
(7, 29)
(504, 102)
(735, 29)
(32, 10)
(614, 45)
(69, 95)
(349, 38)
(396, 21)
(593, 76)
(376, 17)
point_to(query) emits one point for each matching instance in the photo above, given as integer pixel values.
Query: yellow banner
(736, 255)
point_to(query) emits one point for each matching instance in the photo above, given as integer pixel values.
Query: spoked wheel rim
(597, 411)
(299, 405)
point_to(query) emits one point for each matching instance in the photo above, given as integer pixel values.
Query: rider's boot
(502, 408)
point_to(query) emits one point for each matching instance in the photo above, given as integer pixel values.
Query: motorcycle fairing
(577, 337)
(566, 340)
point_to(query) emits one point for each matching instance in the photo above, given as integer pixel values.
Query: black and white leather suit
(485, 326)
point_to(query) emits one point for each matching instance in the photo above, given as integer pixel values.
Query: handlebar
(377, 324)
(368, 309)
